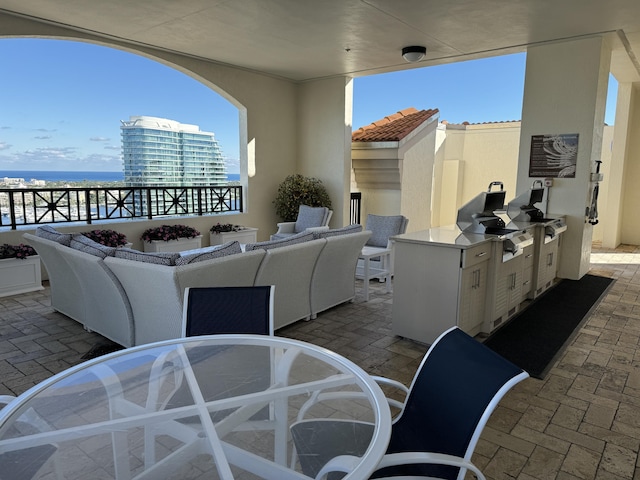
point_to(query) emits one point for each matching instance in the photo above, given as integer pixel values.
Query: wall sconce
(414, 54)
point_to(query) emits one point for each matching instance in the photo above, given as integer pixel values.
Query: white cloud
(99, 139)
(112, 147)
(43, 137)
(65, 158)
(233, 165)
(5, 146)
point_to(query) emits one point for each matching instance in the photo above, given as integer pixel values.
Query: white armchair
(309, 218)
(376, 260)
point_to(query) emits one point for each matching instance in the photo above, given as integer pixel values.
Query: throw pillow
(158, 258)
(229, 248)
(292, 240)
(50, 233)
(86, 245)
(354, 228)
(309, 217)
(382, 227)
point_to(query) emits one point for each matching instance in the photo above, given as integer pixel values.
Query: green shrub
(298, 190)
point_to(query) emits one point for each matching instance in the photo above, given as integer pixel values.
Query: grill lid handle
(495, 183)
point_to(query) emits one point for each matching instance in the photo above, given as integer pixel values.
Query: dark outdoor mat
(101, 348)
(534, 337)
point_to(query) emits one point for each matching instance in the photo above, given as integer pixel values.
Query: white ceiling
(310, 39)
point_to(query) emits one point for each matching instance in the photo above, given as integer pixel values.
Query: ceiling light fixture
(414, 54)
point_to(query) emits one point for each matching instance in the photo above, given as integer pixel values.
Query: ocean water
(61, 176)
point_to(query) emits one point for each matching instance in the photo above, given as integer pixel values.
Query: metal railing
(33, 206)
(356, 201)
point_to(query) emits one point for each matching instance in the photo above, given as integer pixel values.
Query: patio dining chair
(207, 311)
(218, 310)
(456, 388)
(309, 218)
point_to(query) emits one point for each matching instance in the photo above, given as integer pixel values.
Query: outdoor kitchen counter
(440, 281)
(449, 236)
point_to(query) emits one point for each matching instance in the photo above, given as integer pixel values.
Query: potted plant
(298, 190)
(171, 238)
(110, 238)
(20, 251)
(19, 269)
(226, 232)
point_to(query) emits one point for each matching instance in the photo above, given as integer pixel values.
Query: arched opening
(64, 101)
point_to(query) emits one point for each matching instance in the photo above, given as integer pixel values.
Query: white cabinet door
(527, 272)
(473, 294)
(547, 266)
(507, 293)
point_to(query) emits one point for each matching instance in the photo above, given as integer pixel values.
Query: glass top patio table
(199, 407)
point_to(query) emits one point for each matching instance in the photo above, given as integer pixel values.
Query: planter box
(248, 235)
(173, 245)
(20, 276)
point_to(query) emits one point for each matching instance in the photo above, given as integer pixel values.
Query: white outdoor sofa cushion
(83, 289)
(289, 269)
(332, 282)
(156, 292)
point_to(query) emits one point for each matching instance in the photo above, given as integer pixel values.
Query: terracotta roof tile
(394, 127)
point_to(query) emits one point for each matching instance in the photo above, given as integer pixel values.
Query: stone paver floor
(581, 422)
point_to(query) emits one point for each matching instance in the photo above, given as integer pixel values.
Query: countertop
(449, 236)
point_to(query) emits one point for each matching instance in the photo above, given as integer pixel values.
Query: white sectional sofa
(126, 296)
(85, 289)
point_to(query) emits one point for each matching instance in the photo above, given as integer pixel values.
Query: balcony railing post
(199, 196)
(149, 212)
(87, 202)
(12, 210)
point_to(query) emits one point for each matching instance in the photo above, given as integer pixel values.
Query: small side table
(366, 272)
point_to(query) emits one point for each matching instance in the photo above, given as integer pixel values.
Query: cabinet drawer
(475, 255)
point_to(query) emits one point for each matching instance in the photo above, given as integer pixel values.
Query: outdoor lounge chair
(456, 388)
(314, 218)
(371, 266)
(382, 228)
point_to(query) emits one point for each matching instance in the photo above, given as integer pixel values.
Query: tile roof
(394, 127)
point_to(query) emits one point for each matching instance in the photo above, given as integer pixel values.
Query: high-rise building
(162, 152)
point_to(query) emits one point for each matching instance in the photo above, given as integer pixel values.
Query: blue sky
(61, 102)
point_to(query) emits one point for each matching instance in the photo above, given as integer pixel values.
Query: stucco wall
(324, 139)
(417, 181)
(630, 232)
(607, 219)
(475, 156)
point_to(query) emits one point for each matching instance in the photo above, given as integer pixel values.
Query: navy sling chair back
(220, 310)
(456, 388)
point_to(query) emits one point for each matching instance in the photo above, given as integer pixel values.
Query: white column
(324, 139)
(565, 93)
(611, 213)
(629, 224)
